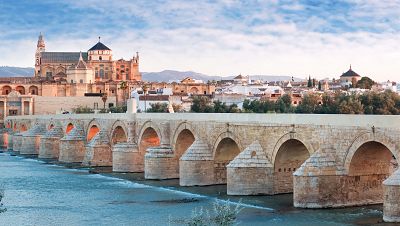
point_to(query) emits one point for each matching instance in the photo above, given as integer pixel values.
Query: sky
(226, 37)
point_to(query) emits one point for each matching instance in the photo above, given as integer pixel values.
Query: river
(40, 192)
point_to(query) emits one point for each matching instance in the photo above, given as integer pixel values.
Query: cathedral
(95, 65)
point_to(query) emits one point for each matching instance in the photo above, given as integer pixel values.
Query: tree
(319, 86)
(314, 81)
(177, 108)
(309, 104)
(158, 107)
(201, 104)
(365, 83)
(309, 84)
(82, 110)
(123, 86)
(284, 104)
(104, 99)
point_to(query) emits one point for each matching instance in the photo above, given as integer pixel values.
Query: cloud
(217, 37)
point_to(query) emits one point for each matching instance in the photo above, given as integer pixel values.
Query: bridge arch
(288, 154)
(149, 136)
(118, 133)
(69, 127)
(225, 149)
(183, 137)
(369, 137)
(287, 137)
(92, 130)
(370, 160)
(23, 128)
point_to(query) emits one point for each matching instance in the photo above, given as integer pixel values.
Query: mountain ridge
(162, 76)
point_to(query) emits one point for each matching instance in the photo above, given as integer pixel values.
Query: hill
(162, 76)
(6, 71)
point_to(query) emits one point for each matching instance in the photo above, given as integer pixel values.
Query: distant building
(99, 58)
(240, 79)
(349, 78)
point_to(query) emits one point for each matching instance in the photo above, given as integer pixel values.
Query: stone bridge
(325, 160)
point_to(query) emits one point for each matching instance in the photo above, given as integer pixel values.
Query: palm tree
(104, 99)
(124, 86)
(145, 88)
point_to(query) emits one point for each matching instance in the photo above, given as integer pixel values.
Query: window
(110, 105)
(81, 81)
(12, 112)
(101, 73)
(49, 74)
(122, 66)
(72, 81)
(100, 58)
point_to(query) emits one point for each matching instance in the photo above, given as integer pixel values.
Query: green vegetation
(83, 110)
(119, 109)
(365, 83)
(158, 107)
(282, 105)
(2, 209)
(202, 104)
(163, 107)
(223, 214)
(385, 103)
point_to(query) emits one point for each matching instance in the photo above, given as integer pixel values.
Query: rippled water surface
(42, 193)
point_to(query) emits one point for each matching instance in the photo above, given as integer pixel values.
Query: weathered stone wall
(325, 152)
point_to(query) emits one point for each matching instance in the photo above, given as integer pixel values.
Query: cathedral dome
(350, 73)
(99, 46)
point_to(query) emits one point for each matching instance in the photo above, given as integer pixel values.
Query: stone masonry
(325, 160)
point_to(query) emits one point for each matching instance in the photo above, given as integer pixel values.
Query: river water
(43, 193)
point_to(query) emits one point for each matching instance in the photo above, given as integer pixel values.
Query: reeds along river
(42, 193)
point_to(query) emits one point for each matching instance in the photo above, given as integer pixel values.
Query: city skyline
(216, 38)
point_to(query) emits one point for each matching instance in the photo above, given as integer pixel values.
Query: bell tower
(39, 49)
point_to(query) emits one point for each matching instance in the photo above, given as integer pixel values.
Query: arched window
(100, 58)
(101, 73)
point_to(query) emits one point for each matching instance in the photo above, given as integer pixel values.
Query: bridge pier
(17, 141)
(196, 166)
(250, 173)
(3, 138)
(159, 163)
(127, 158)
(391, 194)
(318, 182)
(72, 146)
(50, 142)
(31, 140)
(10, 134)
(98, 151)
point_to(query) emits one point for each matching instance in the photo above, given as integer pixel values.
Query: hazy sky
(227, 37)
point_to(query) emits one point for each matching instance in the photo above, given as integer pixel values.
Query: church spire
(40, 43)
